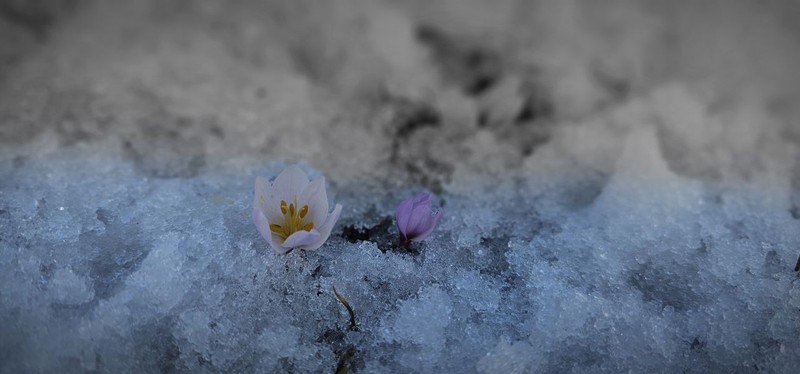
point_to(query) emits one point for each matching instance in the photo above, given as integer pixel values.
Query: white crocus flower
(292, 212)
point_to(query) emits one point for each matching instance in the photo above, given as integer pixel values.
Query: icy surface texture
(620, 180)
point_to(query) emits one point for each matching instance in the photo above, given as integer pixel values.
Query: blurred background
(420, 90)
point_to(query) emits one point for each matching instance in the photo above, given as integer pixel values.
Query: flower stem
(347, 306)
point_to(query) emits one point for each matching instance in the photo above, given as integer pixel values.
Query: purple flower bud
(415, 220)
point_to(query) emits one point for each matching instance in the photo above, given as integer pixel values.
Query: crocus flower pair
(292, 212)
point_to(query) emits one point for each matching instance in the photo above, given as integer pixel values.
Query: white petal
(262, 201)
(301, 239)
(289, 183)
(316, 197)
(260, 221)
(277, 244)
(325, 229)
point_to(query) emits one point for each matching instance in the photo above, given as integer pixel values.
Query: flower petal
(423, 225)
(289, 183)
(325, 229)
(301, 239)
(421, 199)
(277, 244)
(403, 214)
(317, 199)
(262, 225)
(420, 216)
(431, 224)
(262, 201)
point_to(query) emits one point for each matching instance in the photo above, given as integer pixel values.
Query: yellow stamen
(292, 220)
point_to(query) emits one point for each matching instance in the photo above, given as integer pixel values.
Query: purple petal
(425, 223)
(419, 216)
(301, 238)
(431, 224)
(403, 214)
(421, 199)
